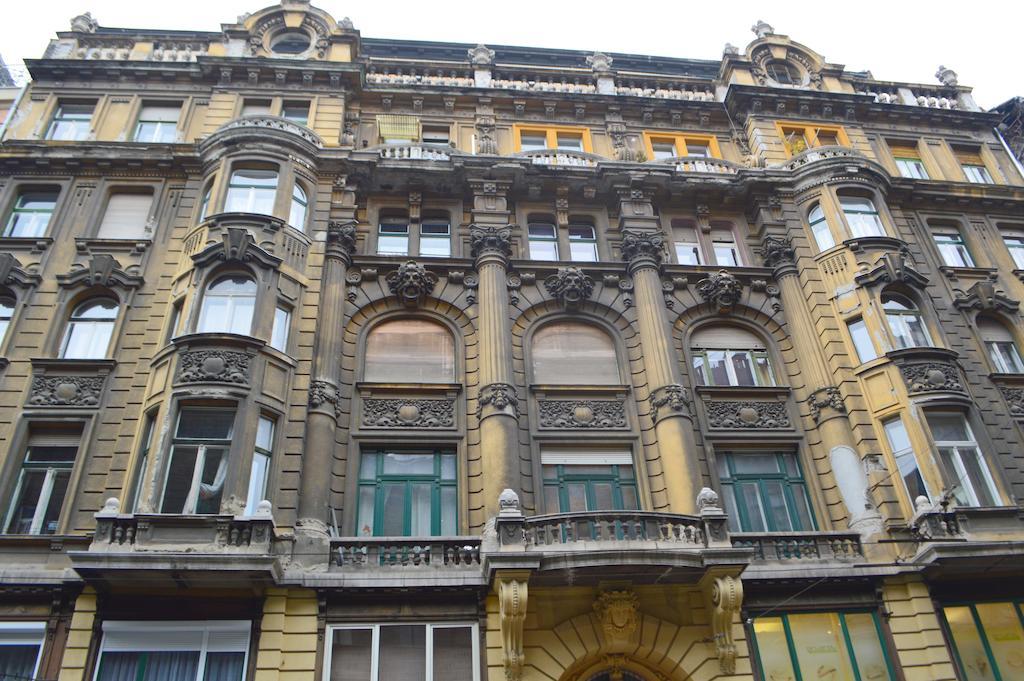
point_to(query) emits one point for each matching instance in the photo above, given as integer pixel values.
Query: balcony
(398, 561)
(801, 547)
(560, 157)
(822, 154)
(700, 164)
(194, 550)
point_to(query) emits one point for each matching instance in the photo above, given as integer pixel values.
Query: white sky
(904, 41)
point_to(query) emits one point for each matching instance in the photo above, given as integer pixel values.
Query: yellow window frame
(679, 140)
(810, 133)
(550, 133)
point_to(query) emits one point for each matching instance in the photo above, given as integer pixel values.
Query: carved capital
(618, 613)
(642, 248)
(777, 252)
(668, 400)
(493, 240)
(500, 398)
(341, 240)
(570, 286)
(512, 601)
(725, 595)
(722, 290)
(412, 283)
(823, 399)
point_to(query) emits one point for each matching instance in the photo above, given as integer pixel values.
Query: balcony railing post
(715, 521)
(510, 523)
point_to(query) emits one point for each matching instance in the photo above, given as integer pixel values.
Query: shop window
(687, 245)
(199, 461)
(988, 639)
(862, 342)
(908, 160)
(952, 248)
(173, 651)
(297, 212)
(259, 472)
(158, 123)
(962, 459)
(228, 306)
(543, 240)
(905, 322)
(729, 355)
(409, 351)
(764, 492)
(71, 121)
(446, 651)
(820, 228)
(89, 329)
(126, 216)
(32, 212)
(582, 242)
(407, 494)
(1001, 348)
(252, 190)
(574, 353)
(862, 217)
(577, 481)
(42, 482)
(906, 460)
(826, 645)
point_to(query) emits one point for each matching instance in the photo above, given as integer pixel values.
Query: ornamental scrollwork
(412, 283)
(65, 391)
(220, 366)
(726, 596)
(638, 246)
(825, 398)
(397, 413)
(671, 398)
(722, 290)
(747, 415)
(490, 240)
(594, 414)
(931, 376)
(501, 396)
(570, 286)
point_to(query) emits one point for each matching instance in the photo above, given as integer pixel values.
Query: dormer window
(290, 42)
(783, 73)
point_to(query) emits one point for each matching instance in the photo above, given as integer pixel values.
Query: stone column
(321, 419)
(670, 403)
(498, 408)
(823, 396)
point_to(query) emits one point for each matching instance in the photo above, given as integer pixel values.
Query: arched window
(297, 215)
(409, 351)
(1002, 350)
(228, 306)
(819, 227)
(89, 330)
(252, 190)
(574, 353)
(861, 216)
(729, 355)
(783, 73)
(905, 322)
(7, 304)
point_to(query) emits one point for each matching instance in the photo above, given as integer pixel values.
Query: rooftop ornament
(84, 23)
(762, 29)
(947, 77)
(481, 55)
(600, 62)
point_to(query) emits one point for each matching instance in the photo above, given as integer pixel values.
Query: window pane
(257, 482)
(453, 653)
(119, 666)
(529, 141)
(449, 511)
(948, 427)
(867, 647)
(820, 649)
(663, 150)
(223, 667)
(205, 424)
(58, 491)
(749, 498)
(435, 247)
(571, 141)
(211, 481)
(351, 654)
(862, 341)
(393, 510)
(576, 494)
(726, 254)
(543, 250)
(1006, 638)
(18, 662)
(408, 464)
(777, 507)
(687, 253)
(753, 464)
(24, 511)
(410, 351)
(403, 653)
(420, 521)
(447, 466)
(977, 474)
(742, 367)
(969, 646)
(279, 333)
(179, 479)
(772, 649)
(367, 496)
(582, 252)
(717, 364)
(603, 497)
(575, 354)
(392, 245)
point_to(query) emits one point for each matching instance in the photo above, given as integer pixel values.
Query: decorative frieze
(217, 366)
(500, 396)
(669, 399)
(825, 399)
(933, 376)
(570, 286)
(747, 415)
(398, 413)
(593, 414)
(490, 240)
(412, 283)
(722, 290)
(66, 391)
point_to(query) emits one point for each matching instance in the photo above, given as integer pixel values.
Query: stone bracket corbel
(724, 596)
(511, 588)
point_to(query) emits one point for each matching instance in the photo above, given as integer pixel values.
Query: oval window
(290, 42)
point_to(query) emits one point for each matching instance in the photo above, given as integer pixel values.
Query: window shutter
(166, 114)
(230, 641)
(126, 216)
(52, 435)
(583, 456)
(398, 127)
(152, 639)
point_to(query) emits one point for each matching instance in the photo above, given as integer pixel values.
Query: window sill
(1019, 274)
(736, 391)
(542, 390)
(368, 388)
(954, 272)
(31, 244)
(87, 245)
(1009, 379)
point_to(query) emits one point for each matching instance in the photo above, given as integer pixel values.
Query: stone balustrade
(563, 530)
(701, 164)
(450, 553)
(820, 154)
(425, 152)
(788, 546)
(561, 157)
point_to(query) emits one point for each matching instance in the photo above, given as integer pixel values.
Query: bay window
(228, 306)
(43, 479)
(199, 461)
(89, 330)
(960, 455)
(764, 492)
(252, 190)
(861, 216)
(448, 651)
(905, 322)
(825, 645)
(728, 355)
(210, 650)
(407, 493)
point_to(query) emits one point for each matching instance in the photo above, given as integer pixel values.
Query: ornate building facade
(327, 357)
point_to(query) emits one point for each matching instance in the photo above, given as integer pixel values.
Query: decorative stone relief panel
(66, 391)
(722, 290)
(218, 366)
(931, 377)
(747, 415)
(412, 283)
(592, 414)
(1015, 399)
(410, 413)
(570, 286)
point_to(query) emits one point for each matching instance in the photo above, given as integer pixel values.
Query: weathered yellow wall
(916, 631)
(76, 652)
(288, 639)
